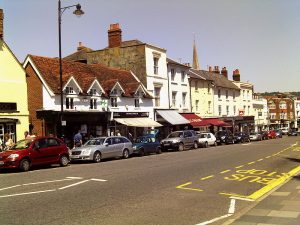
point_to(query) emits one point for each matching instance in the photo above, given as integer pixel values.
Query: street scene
(121, 113)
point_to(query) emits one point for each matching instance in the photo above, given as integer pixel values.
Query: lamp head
(78, 12)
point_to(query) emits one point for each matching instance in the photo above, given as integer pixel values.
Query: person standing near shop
(77, 139)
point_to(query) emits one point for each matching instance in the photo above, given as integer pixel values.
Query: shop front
(241, 123)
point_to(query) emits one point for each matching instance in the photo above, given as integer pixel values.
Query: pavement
(281, 207)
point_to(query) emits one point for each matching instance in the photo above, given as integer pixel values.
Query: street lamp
(78, 12)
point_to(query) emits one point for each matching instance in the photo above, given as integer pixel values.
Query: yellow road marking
(260, 160)
(233, 195)
(268, 156)
(225, 171)
(208, 177)
(183, 186)
(251, 163)
(239, 166)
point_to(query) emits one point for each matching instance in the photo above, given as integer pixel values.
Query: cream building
(13, 91)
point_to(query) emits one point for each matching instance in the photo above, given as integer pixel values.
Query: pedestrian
(8, 141)
(27, 135)
(77, 139)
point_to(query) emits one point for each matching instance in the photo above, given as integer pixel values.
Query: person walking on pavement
(77, 139)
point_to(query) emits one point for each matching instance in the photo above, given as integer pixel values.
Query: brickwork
(35, 100)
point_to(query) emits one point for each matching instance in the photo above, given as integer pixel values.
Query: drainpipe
(190, 83)
(168, 89)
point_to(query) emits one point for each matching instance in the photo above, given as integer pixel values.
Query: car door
(118, 146)
(54, 148)
(107, 150)
(38, 153)
(188, 137)
(209, 140)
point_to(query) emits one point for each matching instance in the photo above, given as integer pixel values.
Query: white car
(207, 139)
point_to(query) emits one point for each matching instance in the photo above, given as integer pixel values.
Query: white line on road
(48, 181)
(74, 178)
(10, 187)
(26, 193)
(231, 207)
(93, 179)
(71, 185)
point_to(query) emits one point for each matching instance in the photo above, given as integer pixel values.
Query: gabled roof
(171, 61)
(84, 75)
(80, 55)
(218, 79)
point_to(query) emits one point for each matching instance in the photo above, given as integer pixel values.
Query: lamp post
(78, 12)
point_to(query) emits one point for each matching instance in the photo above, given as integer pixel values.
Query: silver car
(100, 148)
(255, 136)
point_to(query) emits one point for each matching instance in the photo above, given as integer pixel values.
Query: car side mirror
(105, 144)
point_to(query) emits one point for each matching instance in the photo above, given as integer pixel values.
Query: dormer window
(114, 92)
(93, 91)
(69, 90)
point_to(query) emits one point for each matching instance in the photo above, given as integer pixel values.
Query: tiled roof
(84, 74)
(218, 79)
(171, 61)
(79, 55)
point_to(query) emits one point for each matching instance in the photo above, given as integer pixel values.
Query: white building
(260, 112)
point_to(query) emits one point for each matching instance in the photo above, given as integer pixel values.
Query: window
(227, 110)
(226, 94)
(52, 142)
(233, 95)
(219, 93)
(188, 134)
(248, 110)
(197, 105)
(109, 141)
(113, 102)
(220, 110)
(69, 103)
(282, 105)
(155, 60)
(182, 76)
(93, 103)
(157, 96)
(6, 106)
(234, 110)
(174, 94)
(184, 99)
(272, 105)
(117, 140)
(93, 91)
(69, 90)
(172, 74)
(136, 102)
(272, 116)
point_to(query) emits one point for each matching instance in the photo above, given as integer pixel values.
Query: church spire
(195, 57)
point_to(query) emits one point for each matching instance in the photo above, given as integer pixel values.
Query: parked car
(264, 135)
(100, 148)
(35, 151)
(146, 144)
(272, 134)
(293, 132)
(255, 136)
(207, 139)
(284, 130)
(241, 137)
(179, 140)
(224, 137)
(279, 133)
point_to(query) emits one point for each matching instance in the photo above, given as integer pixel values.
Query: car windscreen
(203, 135)
(98, 141)
(175, 134)
(22, 144)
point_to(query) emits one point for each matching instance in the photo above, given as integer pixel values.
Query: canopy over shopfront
(172, 117)
(214, 122)
(138, 122)
(195, 121)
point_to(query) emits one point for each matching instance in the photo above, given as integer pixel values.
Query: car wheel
(205, 145)
(125, 154)
(195, 145)
(215, 144)
(232, 141)
(24, 165)
(141, 152)
(97, 157)
(158, 150)
(180, 147)
(64, 160)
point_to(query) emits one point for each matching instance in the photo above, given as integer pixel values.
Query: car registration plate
(75, 156)
(1, 163)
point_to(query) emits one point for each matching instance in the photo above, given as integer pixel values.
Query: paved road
(191, 187)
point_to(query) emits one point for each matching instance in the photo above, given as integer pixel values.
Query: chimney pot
(236, 75)
(224, 72)
(1, 23)
(114, 36)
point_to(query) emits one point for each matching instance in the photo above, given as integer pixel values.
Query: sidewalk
(281, 207)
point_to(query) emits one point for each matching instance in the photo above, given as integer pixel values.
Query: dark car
(146, 144)
(224, 137)
(293, 132)
(279, 133)
(264, 135)
(37, 151)
(241, 137)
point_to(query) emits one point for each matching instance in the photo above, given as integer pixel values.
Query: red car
(272, 134)
(37, 151)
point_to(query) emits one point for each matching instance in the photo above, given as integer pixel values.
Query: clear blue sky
(259, 37)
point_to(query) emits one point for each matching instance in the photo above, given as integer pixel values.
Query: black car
(224, 137)
(292, 132)
(241, 137)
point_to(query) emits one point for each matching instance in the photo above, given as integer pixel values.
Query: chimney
(236, 75)
(216, 69)
(114, 36)
(210, 69)
(224, 72)
(80, 46)
(1, 23)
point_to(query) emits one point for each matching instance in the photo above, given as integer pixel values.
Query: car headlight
(86, 152)
(223, 137)
(12, 156)
(134, 147)
(175, 141)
